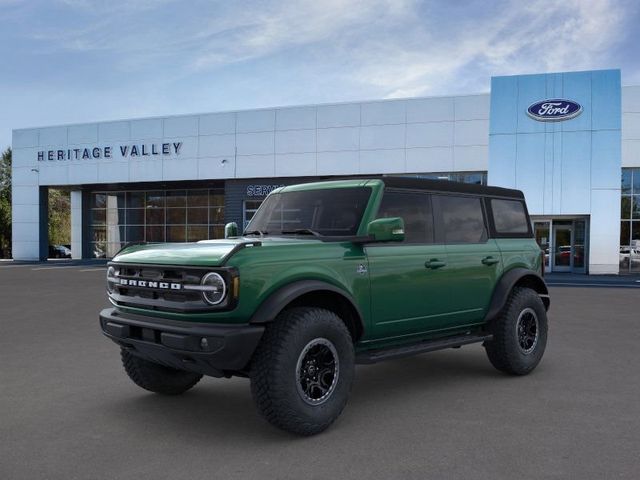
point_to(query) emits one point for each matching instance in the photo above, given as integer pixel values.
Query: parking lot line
(54, 268)
(92, 269)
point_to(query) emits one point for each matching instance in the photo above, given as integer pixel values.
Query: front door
(562, 248)
(409, 294)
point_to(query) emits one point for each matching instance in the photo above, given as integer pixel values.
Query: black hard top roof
(449, 187)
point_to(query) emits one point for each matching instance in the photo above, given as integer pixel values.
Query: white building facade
(181, 178)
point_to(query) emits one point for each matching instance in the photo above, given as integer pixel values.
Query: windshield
(326, 212)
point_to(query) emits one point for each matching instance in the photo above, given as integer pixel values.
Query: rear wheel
(302, 371)
(157, 378)
(519, 333)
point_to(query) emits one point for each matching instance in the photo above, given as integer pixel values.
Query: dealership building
(570, 141)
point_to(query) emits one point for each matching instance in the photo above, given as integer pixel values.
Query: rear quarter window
(509, 216)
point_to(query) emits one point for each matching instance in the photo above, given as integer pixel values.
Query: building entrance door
(564, 243)
(563, 247)
(542, 232)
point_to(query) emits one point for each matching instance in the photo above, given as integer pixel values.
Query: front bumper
(204, 348)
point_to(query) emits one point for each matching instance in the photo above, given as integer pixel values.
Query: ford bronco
(327, 275)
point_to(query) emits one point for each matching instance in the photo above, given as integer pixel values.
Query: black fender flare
(509, 280)
(278, 300)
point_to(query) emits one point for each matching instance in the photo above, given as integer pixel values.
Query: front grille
(158, 287)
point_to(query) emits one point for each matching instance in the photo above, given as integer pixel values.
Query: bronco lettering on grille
(149, 284)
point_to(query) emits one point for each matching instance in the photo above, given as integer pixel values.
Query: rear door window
(462, 219)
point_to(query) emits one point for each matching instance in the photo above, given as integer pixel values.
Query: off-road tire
(275, 372)
(157, 378)
(504, 350)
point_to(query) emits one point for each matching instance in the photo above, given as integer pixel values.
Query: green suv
(327, 275)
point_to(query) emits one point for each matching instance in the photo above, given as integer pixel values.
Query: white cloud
(284, 25)
(391, 48)
(542, 36)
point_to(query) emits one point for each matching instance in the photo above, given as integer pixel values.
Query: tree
(5, 204)
(59, 217)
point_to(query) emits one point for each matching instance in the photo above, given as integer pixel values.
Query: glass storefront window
(630, 221)
(635, 206)
(99, 200)
(634, 251)
(198, 198)
(134, 216)
(135, 233)
(625, 206)
(155, 200)
(579, 240)
(195, 233)
(216, 214)
(197, 216)
(176, 216)
(118, 218)
(626, 180)
(155, 216)
(478, 178)
(99, 234)
(176, 233)
(636, 179)
(134, 200)
(176, 198)
(154, 234)
(216, 231)
(216, 199)
(98, 216)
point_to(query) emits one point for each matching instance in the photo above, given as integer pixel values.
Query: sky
(75, 61)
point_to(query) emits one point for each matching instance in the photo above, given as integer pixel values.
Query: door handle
(434, 263)
(490, 260)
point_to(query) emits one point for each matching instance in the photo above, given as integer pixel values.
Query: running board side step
(374, 356)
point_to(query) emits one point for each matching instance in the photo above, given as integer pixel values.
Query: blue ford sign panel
(554, 110)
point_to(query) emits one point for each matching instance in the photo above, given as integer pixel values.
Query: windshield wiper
(302, 231)
(255, 232)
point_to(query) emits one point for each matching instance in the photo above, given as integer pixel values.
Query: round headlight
(111, 278)
(215, 288)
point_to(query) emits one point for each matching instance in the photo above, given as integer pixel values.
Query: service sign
(261, 190)
(554, 110)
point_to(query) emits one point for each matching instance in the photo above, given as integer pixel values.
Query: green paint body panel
(400, 298)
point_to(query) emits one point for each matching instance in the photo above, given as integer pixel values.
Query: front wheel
(519, 333)
(302, 371)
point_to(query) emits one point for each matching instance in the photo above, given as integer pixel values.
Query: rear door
(408, 295)
(474, 263)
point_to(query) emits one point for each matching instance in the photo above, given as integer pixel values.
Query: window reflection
(118, 218)
(478, 178)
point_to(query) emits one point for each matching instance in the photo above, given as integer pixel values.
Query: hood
(210, 253)
(213, 253)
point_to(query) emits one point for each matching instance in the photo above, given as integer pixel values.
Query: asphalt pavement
(68, 411)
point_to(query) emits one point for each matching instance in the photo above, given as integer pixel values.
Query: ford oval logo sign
(554, 110)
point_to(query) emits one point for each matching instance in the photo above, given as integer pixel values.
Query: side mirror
(386, 229)
(231, 230)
